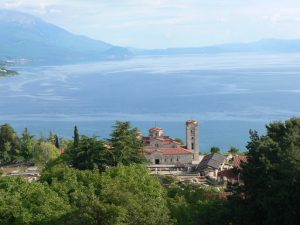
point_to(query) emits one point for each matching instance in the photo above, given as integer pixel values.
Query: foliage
(122, 195)
(22, 202)
(215, 149)
(272, 176)
(76, 137)
(192, 205)
(89, 153)
(9, 144)
(45, 152)
(126, 147)
(233, 150)
(27, 143)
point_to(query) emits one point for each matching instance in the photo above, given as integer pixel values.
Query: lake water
(229, 94)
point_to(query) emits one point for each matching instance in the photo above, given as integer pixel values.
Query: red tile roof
(237, 161)
(169, 151)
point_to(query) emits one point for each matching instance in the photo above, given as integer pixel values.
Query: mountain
(263, 46)
(27, 37)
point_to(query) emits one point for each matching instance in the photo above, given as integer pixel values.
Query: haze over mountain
(263, 46)
(28, 37)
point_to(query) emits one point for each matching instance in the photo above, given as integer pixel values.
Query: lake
(228, 93)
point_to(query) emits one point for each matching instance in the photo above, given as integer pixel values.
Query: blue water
(229, 94)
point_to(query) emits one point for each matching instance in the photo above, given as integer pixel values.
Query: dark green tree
(56, 141)
(126, 146)
(89, 154)
(271, 193)
(215, 149)
(27, 142)
(193, 205)
(9, 144)
(76, 137)
(233, 150)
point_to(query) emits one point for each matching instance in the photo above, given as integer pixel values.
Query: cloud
(168, 23)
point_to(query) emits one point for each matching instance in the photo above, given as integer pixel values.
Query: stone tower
(192, 137)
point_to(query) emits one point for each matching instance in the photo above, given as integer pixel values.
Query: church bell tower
(192, 138)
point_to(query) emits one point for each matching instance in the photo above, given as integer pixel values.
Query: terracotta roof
(169, 151)
(237, 161)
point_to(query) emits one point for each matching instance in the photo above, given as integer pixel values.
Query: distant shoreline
(6, 72)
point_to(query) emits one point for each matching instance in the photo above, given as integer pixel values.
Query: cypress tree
(76, 137)
(56, 141)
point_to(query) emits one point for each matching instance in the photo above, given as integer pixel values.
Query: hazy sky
(169, 23)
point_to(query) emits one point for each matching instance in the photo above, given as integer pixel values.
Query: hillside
(265, 46)
(27, 37)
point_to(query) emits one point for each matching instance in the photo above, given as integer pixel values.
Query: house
(211, 164)
(232, 176)
(164, 150)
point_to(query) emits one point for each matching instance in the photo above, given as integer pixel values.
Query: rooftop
(169, 151)
(214, 160)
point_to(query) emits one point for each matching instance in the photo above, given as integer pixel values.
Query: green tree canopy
(215, 149)
(233, 150)
(89, 153)
(272, 175)
(27, 203)
(9, 144)
(118, 196)
(27, 142)
(126, 146)
(44, 152)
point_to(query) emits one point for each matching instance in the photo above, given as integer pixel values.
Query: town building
(231, 176)
(211, 165)
(164, 150)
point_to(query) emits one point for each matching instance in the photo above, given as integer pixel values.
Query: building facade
(164, 150)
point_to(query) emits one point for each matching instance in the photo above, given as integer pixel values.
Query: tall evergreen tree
(126, 146)
(56, 141)
(9, 144)
(271, 193)
(76, 137)
(27, 145)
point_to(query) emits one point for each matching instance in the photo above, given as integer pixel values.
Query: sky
(169, 23)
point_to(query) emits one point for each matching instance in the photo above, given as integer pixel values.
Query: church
(164, 150)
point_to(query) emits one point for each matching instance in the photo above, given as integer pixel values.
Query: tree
(272, 176)
(44, 152)
(9, 144)
(89, 154)
(194, 205)
(76, 137)
(27, 203)
(27, 143)
(233, 150)
(125, 195)
(215, 150)
(56, 142)
(126, 147)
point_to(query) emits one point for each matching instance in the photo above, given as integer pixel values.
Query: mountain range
(23, 36)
